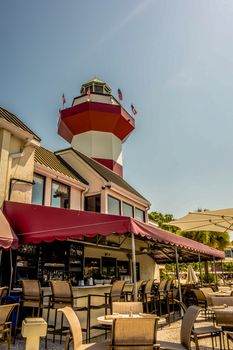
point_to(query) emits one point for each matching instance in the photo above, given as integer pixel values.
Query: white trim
(20, 133)
(55, 175)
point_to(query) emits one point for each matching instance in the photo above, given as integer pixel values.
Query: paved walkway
(168, 333)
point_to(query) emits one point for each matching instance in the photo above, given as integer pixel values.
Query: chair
(185, 331)
(115, 294)
(75, 335)
(162, 293)
(216, 301)
(62, 295)
(229, 338)
(127, 307)
(5, 323)
(130, 294)
(135, 333)
(32, 296)
(149, 297)
(3, 291)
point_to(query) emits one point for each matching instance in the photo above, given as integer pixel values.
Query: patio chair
(149, 297)
(162, 294)
(229, 339)
(5, 323)
(216, 301)
(185, 331)
(130, 294)
(127, 307)
(115, 294)
(3, 291)
(135, 333)
(75, 334)
(32, 296)
(62, 295)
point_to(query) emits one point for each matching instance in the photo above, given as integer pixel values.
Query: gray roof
(106, 173)
(47, 158)
(11, 118)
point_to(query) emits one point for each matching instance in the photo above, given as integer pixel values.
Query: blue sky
(172, 59)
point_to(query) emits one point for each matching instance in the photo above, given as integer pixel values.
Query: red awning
(35, 223)
(8, 239)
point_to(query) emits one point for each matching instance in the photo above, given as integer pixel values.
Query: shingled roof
(106, 173)
(11, 118)
(49, 159)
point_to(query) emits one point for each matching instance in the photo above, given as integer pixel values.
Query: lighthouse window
(114, 206)
(99, 89)
(38, 189)
(60, 195)
(127, 209)
(139, 214)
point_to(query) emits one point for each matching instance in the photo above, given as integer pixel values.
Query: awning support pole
(199, 261)
(178, 274)
(223, 276)
(135, 292)
(215, 273)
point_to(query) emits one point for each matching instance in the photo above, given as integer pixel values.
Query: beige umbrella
(191, 276)
(211, 220)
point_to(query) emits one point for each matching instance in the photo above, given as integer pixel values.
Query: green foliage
(209, 278)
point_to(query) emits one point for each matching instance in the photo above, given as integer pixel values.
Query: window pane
(38, 190)
(114, 206)
(127, 210)
(139, 214)
(92, 203)
(60, 195)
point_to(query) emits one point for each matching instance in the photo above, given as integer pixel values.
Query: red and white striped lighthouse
(97, 125)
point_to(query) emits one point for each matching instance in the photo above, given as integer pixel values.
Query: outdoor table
(109, 320)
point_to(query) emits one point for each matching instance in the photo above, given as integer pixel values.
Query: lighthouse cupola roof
(95, 85)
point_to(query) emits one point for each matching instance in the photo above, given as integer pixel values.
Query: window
(60, 195)
(99, 89)
(139, 215)
(92, 203)
(38, 189)
(127, 209)
(114, 206)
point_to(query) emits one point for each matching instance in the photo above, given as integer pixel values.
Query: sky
(173, 59)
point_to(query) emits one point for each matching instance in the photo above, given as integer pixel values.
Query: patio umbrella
(191, 276)
(213, 220)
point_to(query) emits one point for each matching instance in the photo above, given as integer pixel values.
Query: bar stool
(149, 297)
(62, 295)
(32, 296)
(115, 294)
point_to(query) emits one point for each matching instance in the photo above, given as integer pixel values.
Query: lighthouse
(97, 125)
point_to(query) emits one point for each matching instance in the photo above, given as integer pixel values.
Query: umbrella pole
(11, 273)
(178, 274)
(199, 261)
(135, 292)
(215, 273)
(223, 276)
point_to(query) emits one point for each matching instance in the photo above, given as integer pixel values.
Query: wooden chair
(127, 307)
(135, 333)
(5, 323)
(62, 295)
(75, 335)
(32, 296)
(115, 294)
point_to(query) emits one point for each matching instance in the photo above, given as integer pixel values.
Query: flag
(88, 91)
(134, 110)
(120, 94)
(63, 99)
